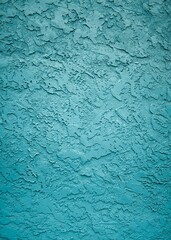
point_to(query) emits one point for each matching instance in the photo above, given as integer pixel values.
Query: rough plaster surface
(85, 120)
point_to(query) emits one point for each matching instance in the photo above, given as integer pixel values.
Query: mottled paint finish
(85, 119)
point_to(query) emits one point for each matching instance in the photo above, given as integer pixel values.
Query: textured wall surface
(85, 99)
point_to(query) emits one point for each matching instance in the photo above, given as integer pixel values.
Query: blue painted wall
(85, 119)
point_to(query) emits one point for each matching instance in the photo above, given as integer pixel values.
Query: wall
(85, 123)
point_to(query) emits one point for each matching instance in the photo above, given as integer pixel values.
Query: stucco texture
(85, 100)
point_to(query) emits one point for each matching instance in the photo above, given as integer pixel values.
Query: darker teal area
(85, 100)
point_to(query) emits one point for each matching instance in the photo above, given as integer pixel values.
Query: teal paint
(85, 120)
